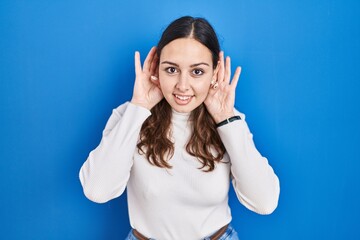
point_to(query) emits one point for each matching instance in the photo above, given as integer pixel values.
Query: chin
(184, 109)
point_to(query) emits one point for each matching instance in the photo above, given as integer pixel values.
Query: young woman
(179, 141)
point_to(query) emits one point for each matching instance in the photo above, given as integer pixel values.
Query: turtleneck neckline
(180, 116)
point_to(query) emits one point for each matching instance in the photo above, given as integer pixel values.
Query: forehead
(186, 51)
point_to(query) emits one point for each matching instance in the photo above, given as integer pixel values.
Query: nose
(183, 83)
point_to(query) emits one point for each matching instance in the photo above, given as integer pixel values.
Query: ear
(155, 72)
(216, 70)
(158, 76)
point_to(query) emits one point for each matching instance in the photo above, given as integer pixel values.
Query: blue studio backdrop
(64, 65)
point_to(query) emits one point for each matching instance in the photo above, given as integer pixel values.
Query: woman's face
(185, 73)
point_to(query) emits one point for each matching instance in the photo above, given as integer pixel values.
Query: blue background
(65, 64)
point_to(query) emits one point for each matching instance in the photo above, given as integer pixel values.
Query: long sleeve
(105, 173)
(256, 185)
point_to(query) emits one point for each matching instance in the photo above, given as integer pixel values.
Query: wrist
(228, 120)
(223, 116)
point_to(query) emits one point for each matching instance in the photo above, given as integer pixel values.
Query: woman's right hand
(147, 92)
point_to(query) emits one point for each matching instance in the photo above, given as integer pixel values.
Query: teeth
(184, 98)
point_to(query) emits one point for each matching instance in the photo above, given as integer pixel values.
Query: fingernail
(154, 78)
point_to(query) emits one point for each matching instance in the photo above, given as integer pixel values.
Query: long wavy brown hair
(155, 134)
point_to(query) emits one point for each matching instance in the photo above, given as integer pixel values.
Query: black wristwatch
(228, 120)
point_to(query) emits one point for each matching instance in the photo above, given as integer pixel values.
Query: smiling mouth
(182, 98)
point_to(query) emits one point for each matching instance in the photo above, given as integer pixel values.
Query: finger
(220, 76)
(227, 70)
(236, 77)
(137, 63)
(148, 59)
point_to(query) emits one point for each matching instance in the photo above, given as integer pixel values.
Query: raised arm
(256, 185)
(105, 173)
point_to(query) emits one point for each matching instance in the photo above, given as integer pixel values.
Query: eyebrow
(192, 65)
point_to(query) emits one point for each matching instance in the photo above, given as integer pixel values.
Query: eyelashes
(194, 72)
(197, 72)
(171, 70)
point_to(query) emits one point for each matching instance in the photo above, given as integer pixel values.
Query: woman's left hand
(221, 97)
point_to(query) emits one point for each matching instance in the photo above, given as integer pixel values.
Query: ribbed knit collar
(180, 116)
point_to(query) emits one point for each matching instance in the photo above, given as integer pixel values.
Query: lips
(182, 99)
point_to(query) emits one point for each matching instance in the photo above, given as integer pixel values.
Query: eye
(198, 72)
(171, 70)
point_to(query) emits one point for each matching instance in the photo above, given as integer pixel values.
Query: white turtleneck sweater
(183, 202)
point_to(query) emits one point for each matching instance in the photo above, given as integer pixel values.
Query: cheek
(164, 83)
(201, 90)
(203, 86)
